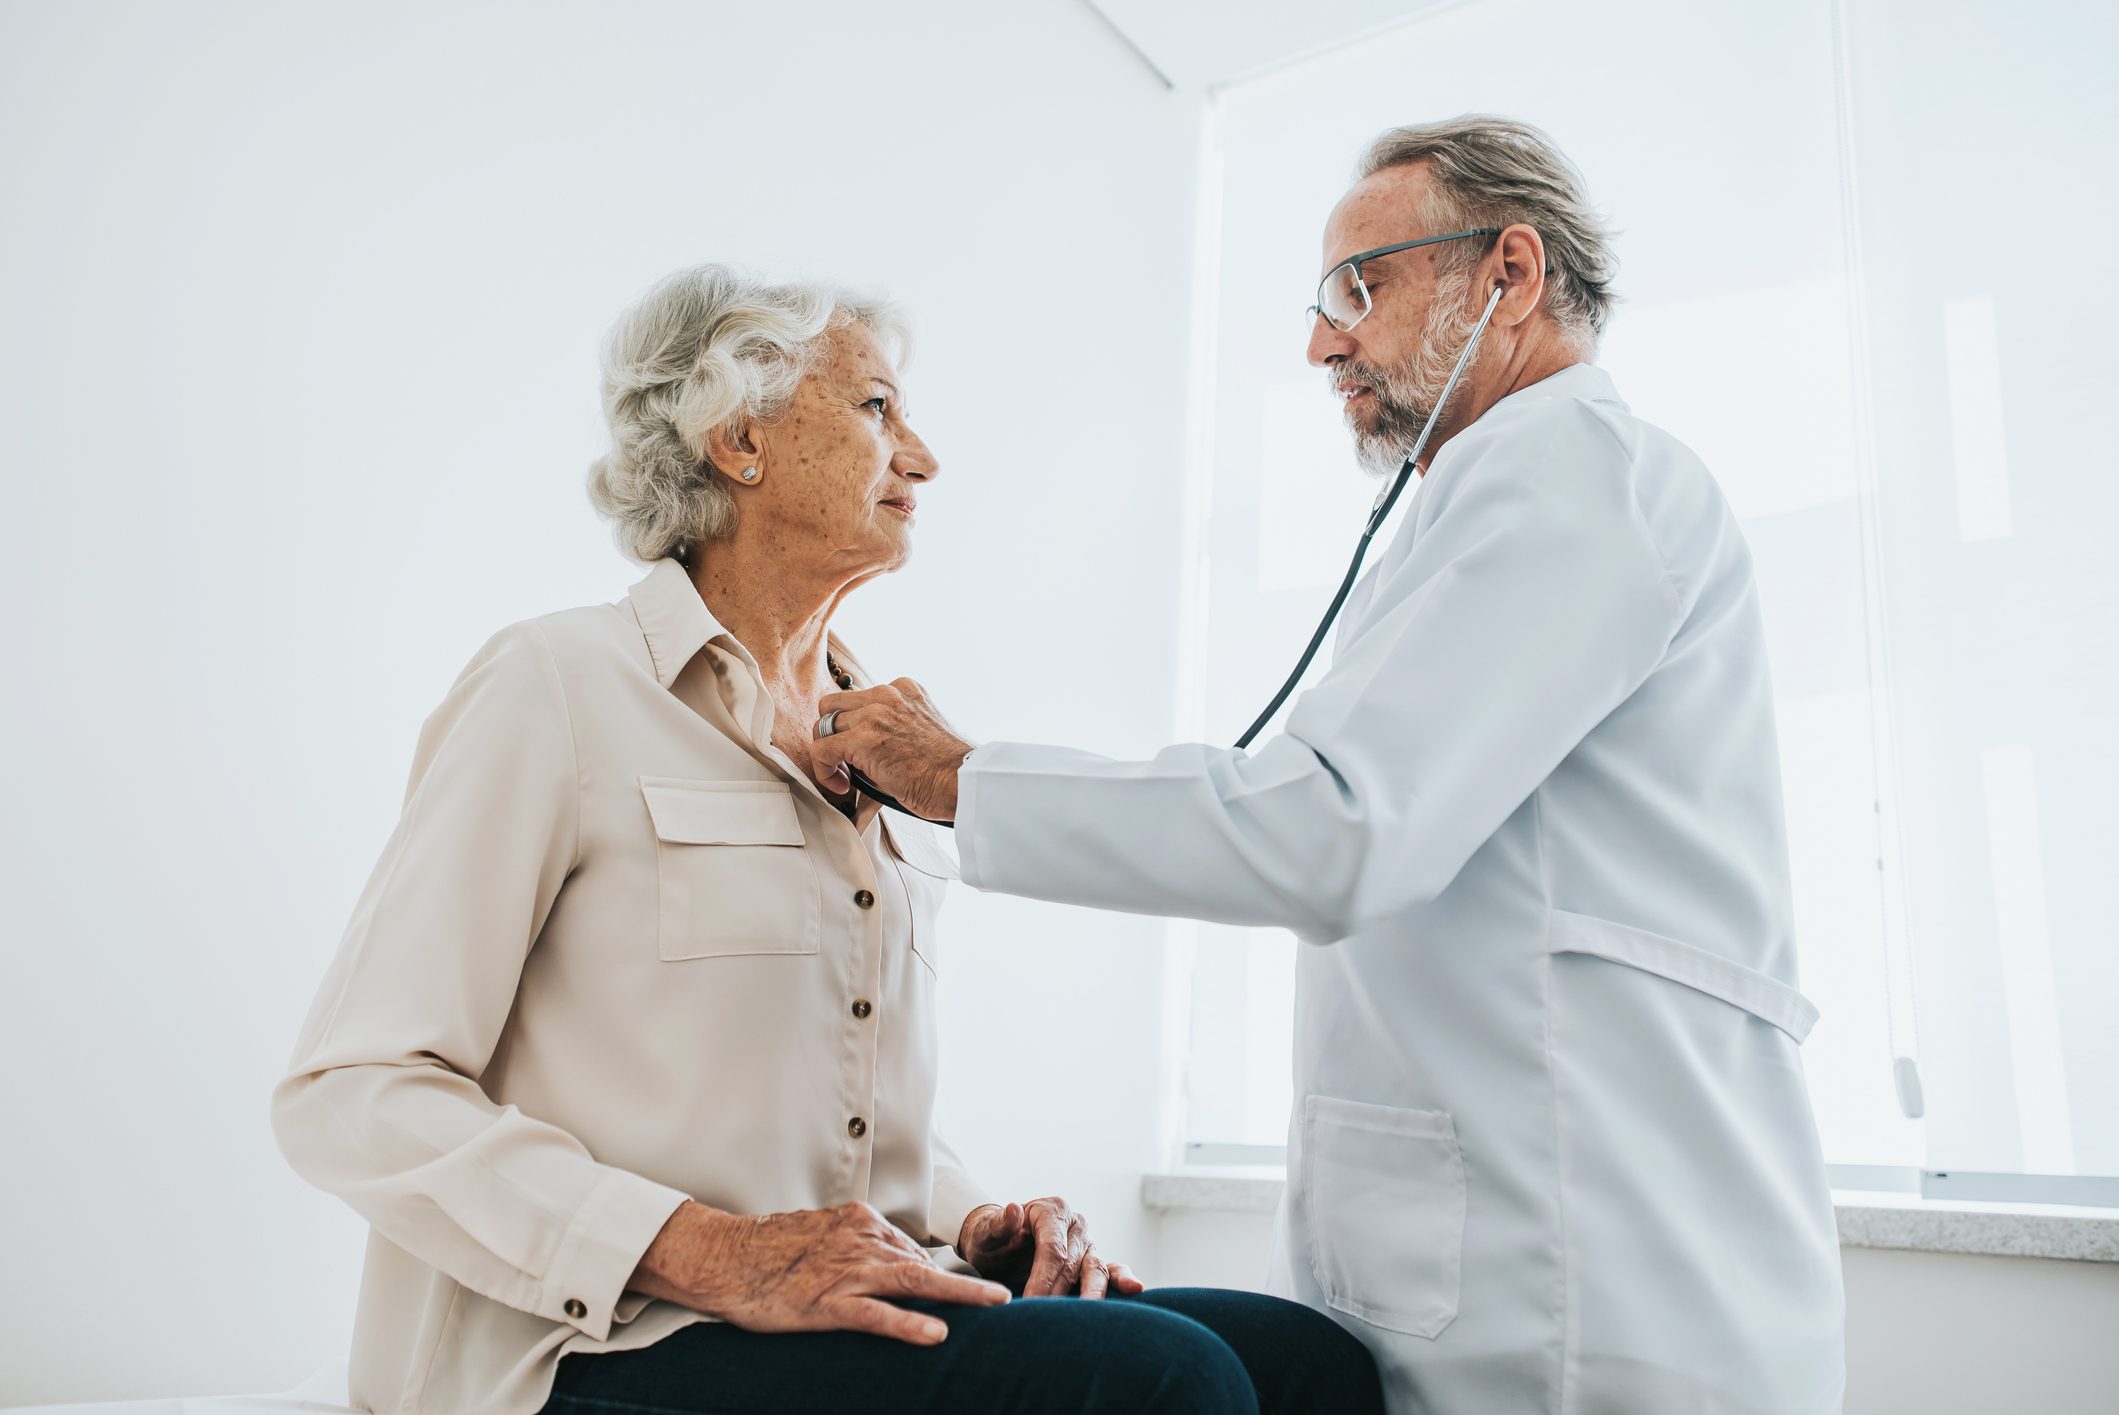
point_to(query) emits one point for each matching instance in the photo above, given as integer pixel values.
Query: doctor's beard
(1405, 396)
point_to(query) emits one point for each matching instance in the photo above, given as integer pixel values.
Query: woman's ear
(1518, 261)
(733, 450)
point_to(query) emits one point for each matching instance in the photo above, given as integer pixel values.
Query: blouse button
(576, 1309)
(861, 1007)
(865, 899)
(857, 1127)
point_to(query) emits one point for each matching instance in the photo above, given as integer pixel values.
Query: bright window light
(1833, 292)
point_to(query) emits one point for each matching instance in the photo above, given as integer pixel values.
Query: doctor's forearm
(1200, 832)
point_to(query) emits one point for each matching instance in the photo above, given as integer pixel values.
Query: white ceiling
(1197, 44)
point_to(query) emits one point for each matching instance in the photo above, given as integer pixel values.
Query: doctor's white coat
(1551, 1147)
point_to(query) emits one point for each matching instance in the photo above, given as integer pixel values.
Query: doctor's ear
(1517, 262)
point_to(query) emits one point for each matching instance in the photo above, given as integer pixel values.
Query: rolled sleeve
(969, 865)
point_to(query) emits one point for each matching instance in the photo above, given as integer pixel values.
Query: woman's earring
(750, 473)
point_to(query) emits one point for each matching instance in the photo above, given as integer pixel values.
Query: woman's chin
(894, 534)
(891, 552)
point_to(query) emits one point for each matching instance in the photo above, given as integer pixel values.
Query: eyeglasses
(1343, 299)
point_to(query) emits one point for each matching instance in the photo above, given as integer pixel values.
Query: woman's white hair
(706, 347)
(1490, 171)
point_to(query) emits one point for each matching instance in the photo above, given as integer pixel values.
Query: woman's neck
(780, 614)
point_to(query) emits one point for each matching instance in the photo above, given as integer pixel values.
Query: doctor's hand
(1041, 1249)
(894, 737)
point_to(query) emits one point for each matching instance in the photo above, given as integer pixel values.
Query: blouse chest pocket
(933, 866)
(732, 870)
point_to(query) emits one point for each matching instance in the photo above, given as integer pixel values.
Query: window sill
(1866, 1220)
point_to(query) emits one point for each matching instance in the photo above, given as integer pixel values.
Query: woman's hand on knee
(812, 1270)
(1041, 1249)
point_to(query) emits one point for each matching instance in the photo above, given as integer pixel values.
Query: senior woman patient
(628, 1055)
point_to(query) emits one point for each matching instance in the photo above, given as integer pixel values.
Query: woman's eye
(881, 405)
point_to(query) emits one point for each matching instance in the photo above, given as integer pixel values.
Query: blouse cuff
(602, 1248)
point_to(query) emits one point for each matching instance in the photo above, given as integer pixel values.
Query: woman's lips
(903, 508)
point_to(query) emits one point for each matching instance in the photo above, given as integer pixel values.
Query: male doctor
(1552, 1148)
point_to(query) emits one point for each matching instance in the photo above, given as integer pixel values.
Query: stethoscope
(1378, 514)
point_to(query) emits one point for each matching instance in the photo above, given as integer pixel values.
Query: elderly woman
(628, 1055)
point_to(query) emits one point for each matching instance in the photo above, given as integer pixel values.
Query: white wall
(298, 309)
(298, 315)
(1936, 1333)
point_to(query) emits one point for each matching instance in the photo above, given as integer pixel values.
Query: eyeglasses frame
(1368, 305)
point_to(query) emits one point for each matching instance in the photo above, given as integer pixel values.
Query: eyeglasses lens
(1341, 297)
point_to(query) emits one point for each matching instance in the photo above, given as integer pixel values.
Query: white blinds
(1865, 269)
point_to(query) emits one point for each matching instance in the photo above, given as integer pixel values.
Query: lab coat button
(576, 1308)
(861, 1007)
(857, 1127)
(865, 899)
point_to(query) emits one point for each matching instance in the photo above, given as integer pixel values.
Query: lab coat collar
(677, 624)
(1583, 381)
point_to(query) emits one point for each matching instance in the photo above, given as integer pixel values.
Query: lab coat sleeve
(381, 1105)
(1534, 602)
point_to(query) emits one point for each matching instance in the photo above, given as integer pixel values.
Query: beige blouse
(619, 951)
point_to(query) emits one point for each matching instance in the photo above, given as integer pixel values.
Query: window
(1878, 311)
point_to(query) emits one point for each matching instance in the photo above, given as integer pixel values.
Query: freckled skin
(813, 525)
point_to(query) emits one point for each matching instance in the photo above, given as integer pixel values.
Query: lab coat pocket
(1383, 1195)
(731, 869)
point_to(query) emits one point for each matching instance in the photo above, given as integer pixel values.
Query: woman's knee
(1298, 1359)
(1140, 1358)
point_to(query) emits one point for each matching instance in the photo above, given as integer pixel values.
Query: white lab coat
(1551, 1147)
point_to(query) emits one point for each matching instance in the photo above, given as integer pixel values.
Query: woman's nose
(914, 460)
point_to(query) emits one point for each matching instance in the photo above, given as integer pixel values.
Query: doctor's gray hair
(706, 347)
(1489, 171)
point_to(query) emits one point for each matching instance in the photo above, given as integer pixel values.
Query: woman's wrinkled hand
(896, 738)
(836, 1269)
(1041, 1249)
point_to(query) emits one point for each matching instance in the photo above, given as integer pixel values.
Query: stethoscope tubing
(868, 788)
(1378, 514)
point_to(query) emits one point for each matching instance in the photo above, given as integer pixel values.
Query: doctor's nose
(1328, 346)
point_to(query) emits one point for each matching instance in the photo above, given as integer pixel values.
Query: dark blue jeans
(1169, 1351)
